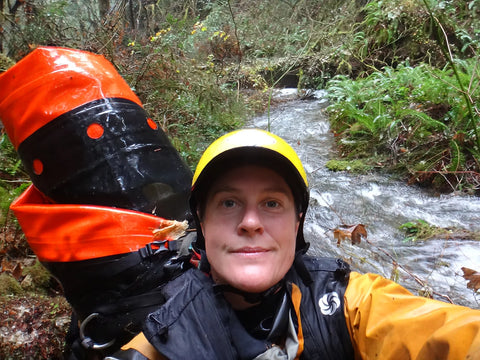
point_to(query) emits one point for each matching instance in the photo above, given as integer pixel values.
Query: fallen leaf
(352, 232)
(17, 271)
(12, 267)
(170, 230)
(340, 235)
(473, 278)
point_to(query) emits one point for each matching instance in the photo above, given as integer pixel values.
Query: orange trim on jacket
(296, 300)
(63, 232)
(140, 344)
(386, 321)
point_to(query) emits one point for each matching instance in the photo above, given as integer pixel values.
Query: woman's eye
(272, 204)
(228, 203)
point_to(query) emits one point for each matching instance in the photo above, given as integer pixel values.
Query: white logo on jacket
(329, 303)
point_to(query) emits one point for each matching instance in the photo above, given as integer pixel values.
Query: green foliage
(399, 112)
(9, 160)
(13, 179)
(421, 230)
(199, 121)
(389, 32)
(5, 63)
(7, 195)
(265, 29)
(46, 22)
(190, 99)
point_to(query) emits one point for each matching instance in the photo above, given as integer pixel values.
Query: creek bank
(34, 315)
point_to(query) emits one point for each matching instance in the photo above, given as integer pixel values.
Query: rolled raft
(105, 179)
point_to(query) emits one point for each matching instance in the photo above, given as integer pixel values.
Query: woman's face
(250, 227)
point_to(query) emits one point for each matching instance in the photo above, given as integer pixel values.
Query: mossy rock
(354, 166)
(39, 277)
(9, 285)
(422, 230)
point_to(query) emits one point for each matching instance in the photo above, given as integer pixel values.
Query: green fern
(457, 161)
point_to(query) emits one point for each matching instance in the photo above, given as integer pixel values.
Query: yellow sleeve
(386, 321)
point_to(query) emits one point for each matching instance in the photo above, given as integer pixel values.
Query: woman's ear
(298, 222)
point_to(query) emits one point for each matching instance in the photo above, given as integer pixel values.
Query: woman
(256, 295)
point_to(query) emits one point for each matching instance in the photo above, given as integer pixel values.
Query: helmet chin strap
(269, 326)
(251, 298)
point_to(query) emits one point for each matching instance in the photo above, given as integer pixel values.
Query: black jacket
(197, 321)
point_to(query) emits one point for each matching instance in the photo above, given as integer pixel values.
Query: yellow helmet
(255, 147)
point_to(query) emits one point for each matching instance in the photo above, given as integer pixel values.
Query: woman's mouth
(250, 251)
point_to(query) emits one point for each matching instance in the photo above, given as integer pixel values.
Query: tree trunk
(130, 14)
(2, 21)
(15, 6)
(103, 7)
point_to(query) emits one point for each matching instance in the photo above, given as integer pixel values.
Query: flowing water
(382, 205)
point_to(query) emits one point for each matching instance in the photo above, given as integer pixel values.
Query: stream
(382, 205)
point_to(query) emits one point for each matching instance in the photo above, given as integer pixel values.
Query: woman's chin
(251, 279)
(252, 284)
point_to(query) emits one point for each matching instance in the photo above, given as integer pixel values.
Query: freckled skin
(250, 227)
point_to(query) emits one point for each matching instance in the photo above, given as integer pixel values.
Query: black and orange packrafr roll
(104, 176)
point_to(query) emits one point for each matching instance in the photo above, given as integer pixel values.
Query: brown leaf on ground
(12, 267)
(17, 271)
(352, 232)
(473, 278)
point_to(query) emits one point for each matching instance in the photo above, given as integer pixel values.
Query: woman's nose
(250, 223)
